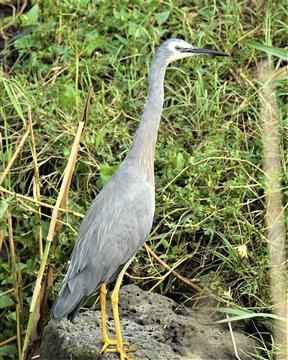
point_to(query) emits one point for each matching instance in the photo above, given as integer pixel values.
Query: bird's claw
(122, 353)
(116, 349)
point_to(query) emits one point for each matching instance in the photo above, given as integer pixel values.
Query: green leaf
(100, 137)
(81, 4)
(5, 301)
(69, 96)
(92, 42)
(31, 16)
(249, 316)
(180, 161)
(176, 250)
(281, 53)
(132, 28)
(12, 316)
(4, 205)
(165, 243)
(242, 315)
(230, 311)
(161, 17)
(106, 172)
(24, 43)
(8, 350)
(66, 152)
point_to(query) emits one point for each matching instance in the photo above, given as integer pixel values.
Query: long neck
(142, 150)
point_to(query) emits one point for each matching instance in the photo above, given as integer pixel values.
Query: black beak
(204, 52)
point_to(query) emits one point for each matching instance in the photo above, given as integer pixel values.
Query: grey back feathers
(114, 227)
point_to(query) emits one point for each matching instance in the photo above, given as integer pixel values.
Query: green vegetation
(209, 179)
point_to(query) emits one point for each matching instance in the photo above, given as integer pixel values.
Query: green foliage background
(209, 182)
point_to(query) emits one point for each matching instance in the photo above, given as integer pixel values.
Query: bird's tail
(67, 303)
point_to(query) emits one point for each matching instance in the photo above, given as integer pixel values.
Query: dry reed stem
(15, 280)
(36, 195)
(10, 340)
(62, 193)
(15, 15)
(54, 77)
(274, 208)
(175, 273)
(84, 120)
(2, 236)
(19, 147)
(37, 202)
(36, 179)
(233, 339)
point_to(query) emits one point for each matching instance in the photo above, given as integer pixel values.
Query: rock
(153, 324)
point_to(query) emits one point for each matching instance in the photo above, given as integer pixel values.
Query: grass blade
(271, 50)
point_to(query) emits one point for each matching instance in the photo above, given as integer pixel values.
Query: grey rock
(155, 327)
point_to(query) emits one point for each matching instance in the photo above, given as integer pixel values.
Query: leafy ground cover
(209, 223)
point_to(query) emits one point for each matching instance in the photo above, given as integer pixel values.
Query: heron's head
(174, 49)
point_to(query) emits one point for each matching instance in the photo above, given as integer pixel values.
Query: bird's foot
(121, 350)
(107, 343)
(122, 353)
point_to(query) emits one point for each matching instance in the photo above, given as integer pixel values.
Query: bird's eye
(178, 48)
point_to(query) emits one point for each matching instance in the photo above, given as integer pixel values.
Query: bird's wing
(114, 227)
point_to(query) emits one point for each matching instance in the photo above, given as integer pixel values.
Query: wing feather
(116, 224)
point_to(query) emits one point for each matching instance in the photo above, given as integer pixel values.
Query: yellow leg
(106, 340)
(114, 303)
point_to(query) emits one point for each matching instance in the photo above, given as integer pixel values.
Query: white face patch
(171, 46)
(171, 50)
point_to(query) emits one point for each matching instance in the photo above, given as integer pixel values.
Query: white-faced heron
(120, 218)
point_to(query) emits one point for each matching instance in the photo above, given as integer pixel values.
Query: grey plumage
(115, 226)
(120, 218)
